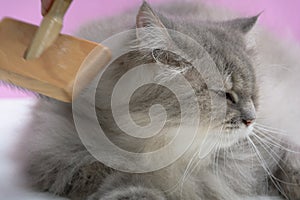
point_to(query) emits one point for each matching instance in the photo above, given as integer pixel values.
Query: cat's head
(225, 43)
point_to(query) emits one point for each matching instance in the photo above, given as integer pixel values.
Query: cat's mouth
(229, 126)
(232, 127)
(230, 134)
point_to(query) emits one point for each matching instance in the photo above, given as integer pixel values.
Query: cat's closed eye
(232, 97)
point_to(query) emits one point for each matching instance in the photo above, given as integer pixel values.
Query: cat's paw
(130, 193)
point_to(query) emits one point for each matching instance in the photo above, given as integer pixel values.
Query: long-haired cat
(243, 159)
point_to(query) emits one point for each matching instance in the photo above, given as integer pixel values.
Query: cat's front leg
(288, 173)
(119, 186)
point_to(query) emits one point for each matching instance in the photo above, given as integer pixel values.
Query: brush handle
(58, 10)
(48, 30)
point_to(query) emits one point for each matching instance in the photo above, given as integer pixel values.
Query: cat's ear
(244, 25)
(150, 28)
(146, 17)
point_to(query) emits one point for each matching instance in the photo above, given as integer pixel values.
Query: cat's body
(56, 160)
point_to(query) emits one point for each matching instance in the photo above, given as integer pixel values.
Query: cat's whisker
(191, 166)
(184, 177)
(215, 156)
(236, 165)
(187, 171)
(252, 149)
(280, 66)
(277, 137)
(266, 168)
(270, 151)
(277, 162)
(203, 144)
(275, 141)
(281, 135)
(226, 153)
(221, 138)
(271, 129)
(262, 140)
(269, 137)
(217, 159)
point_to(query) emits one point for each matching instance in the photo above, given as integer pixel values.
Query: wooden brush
(54, 72)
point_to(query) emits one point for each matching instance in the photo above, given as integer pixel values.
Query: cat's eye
(232, 97)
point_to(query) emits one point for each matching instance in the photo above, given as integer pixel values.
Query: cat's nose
(248, 122)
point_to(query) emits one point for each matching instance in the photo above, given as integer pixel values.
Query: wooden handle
(49, 29)
(58, 9)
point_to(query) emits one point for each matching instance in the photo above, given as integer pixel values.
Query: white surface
(13, 115)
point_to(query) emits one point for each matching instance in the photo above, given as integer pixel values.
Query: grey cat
(248, 161)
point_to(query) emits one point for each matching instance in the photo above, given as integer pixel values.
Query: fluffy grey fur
(250, 160)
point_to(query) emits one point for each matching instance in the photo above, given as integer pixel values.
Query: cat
(247, 160)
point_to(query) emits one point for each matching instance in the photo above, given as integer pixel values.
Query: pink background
(280, 16)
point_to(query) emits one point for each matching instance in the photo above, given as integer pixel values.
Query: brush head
(54, 72)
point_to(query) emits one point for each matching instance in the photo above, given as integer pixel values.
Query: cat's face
(225, 44)
(227, 48)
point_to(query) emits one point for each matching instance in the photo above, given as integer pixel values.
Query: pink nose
(248, 122)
